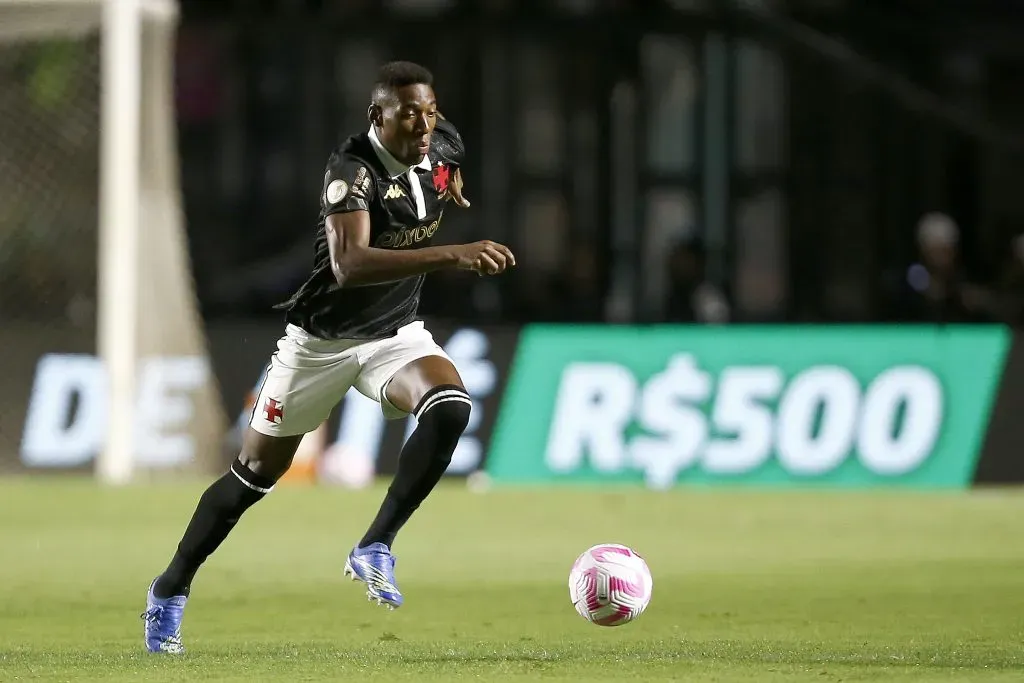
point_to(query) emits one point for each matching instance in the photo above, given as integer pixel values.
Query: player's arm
(346, 201)
(355, 263)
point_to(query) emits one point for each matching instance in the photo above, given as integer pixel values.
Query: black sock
(218, 511)
(442, 416)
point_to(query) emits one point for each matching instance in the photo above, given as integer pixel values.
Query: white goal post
(148, 331)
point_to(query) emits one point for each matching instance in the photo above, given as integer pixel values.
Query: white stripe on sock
(258, 489)
(441, 394)
(444, 397)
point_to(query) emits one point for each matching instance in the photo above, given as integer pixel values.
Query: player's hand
(485, 257)
(455, 190)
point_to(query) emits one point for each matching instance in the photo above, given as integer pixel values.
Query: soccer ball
(610, 585)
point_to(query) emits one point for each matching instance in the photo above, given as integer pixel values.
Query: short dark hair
(395, 75)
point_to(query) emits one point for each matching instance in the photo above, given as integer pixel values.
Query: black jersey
(405, 206)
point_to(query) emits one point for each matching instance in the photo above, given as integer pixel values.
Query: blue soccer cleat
(163, 622)
(374, 565)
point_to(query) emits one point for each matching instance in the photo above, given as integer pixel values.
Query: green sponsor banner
(839, 405)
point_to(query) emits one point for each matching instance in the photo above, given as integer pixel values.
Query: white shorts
(308, 376)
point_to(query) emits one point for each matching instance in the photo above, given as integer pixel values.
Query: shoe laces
(152, 616)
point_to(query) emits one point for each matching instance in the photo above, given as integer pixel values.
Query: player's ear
(375, 113)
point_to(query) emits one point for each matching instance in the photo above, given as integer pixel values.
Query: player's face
(408, 122)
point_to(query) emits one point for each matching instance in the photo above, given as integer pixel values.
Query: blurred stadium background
(764, 329)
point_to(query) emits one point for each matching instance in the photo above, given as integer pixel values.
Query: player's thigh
(404, 368)
(410, 384)
(305, 380)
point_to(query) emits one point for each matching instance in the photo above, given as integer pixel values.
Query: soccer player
(354, 323)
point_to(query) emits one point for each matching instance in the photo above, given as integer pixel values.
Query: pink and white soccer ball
(610, 585)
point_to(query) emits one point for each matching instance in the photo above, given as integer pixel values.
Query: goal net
(95, 278)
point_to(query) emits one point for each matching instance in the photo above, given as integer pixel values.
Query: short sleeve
(348, 186)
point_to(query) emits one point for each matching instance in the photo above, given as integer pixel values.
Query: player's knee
(451, 417)
(448, 420)
(448, 409)
(266, 456)
(271, 467)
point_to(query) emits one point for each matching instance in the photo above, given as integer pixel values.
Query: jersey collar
(393, 165)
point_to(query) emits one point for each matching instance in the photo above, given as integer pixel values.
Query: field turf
(748, 586)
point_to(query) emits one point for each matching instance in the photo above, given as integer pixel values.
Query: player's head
(404, 109)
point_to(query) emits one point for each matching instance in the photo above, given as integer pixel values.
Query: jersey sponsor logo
(396, 239)
(336, 191)
(394, 192)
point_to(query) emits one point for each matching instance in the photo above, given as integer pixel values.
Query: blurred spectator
(691, 296)
(935, 288)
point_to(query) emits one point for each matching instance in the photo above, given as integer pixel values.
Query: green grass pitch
(748, 586)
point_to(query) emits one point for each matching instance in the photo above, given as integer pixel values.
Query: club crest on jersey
(441, 175)
(394, 192)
